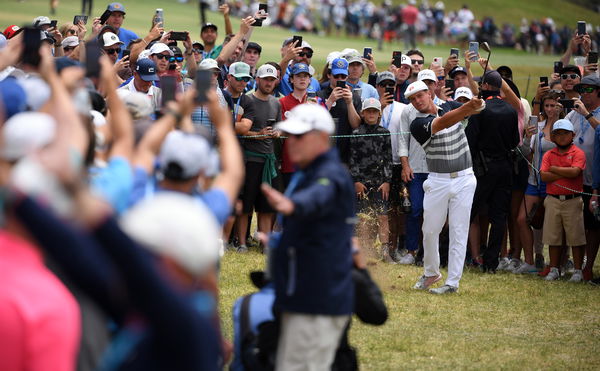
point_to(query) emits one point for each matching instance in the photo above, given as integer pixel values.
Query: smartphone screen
(581, 28)
(449, 84)
(126, 53)
(340, 84)
(533, 120)
(104, 16)
(544, 80)
(366, 52)
(558, 65)
(78, 18)
(474, 47)
(592, 57)
(454, 51)
(390, 90)
(179, 36)
(168, 85)
(92, 57)
(262, 9)
(202, 85)
(397, 58)
(31, 46)
(567, 104)
(298, 39)
(53, 23)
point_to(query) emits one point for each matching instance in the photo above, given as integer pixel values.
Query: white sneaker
(514, 264)
(525, 268)
(553, 275)
(407, 259)
(577, 276)
(503, 264)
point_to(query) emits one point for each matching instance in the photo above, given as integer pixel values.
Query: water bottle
(405, 205)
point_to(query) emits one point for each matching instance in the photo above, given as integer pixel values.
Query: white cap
(208, 64)
(26, 132)
(306, 45)
(405, 60)
(463, 92)
(159, 48)
(70, 41)
(190, 151)
(97, 118)
(311, 70)
(426, 75)
(38, 92)
(110, 39)
(414, 88)
(177, 226)
(266, 70)
(306, 117)
(138, 104)
(40, 21)
(371, 103)
(144, 54)
(331, 56)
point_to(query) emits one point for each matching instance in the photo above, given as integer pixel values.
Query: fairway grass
(495, 321)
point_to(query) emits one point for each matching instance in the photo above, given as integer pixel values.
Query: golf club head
(485, 46)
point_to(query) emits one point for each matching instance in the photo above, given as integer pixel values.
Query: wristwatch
(589, 116)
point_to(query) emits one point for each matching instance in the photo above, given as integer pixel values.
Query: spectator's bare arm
(225, 10)
(230, 47)
(189, 57)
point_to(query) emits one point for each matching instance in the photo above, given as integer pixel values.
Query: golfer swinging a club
(450, 186)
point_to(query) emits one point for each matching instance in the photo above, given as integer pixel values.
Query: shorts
(373, 202)
(396, 185)
(520, 177)
(533, 190)
(251, 196)
(563, 215)
(589, 221)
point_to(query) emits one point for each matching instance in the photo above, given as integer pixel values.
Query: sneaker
(539, 261)
(514, 264)
(424, 282)
(385, 254)
(503, 264)
(446, 289)
(407, 259)
(595, 281)
(525, 268)
(242, 248)
(577, 276)
(553, 275)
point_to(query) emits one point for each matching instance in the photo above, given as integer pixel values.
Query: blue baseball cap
(339, 66)
(12, 97)
(116, 7)
(300, 68)
(563, 124)
(147, 69)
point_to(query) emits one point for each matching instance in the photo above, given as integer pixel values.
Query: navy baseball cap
(339, 66)
(208, 25)
(147, 69)
(116, 7)
(456, 70)
(255, 46)
(299, 68)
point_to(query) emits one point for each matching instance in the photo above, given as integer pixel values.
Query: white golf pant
(447, 194)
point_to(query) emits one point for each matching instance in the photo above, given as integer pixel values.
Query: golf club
(485, 46)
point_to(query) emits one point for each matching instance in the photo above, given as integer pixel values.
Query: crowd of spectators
(130, 165)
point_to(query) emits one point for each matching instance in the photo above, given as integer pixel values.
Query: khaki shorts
(563, 215)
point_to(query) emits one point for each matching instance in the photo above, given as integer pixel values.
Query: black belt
(566, 197)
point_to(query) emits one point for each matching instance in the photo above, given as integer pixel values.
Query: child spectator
(371, 168)
(562, 170)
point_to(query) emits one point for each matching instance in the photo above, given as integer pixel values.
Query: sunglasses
(416, 61)
(586, 89)
(175, 59)
(68, 48)
(71, 32)
(306, 54)
(162, 56)
(112, 51)
(340, 76)
(571, 76)
(387, 85)
(196, 50)
(244, 79)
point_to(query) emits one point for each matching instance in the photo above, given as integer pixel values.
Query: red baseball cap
(11, 31)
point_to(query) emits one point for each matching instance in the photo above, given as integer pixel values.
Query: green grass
(497, 321)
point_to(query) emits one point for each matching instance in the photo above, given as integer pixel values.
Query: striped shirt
(447, 150)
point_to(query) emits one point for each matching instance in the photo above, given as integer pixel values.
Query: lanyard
(235, 109)
(386, 123)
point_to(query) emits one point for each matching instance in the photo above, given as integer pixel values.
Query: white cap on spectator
(177, 226)
(331, 56)
(191, 152)
(371, 103)
(70, 41)
(41, 21)
(307, 117)
(144, 54)
(305, 44)
(208, 64)
(311, 70)
(97, 118)
(266, 70)
(138, 104)
(405, 60)
(159, 48)
(26, 132)
(414, 88)
(110, 39)
(426, 75)
(463, 92)
(38, 92)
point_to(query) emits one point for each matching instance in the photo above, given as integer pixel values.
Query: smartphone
(168, 86)
(558, 65)
(179, 36)
(390, 90)
(581, 28)
(533, 121)
(454, 51)
(397, 58)
(474, 47)
(449, 84)
(567, 104)
(366, 52)
(592, 57)
(93, 52)
(32, 39)
(53, 23)
(438, 60)
(202, 85)
(297, 41)
(340, 84)
(159, 17)
(311, 94)
(104, 16)
(544, 80)
(126, 53)
(82, 18)
(264, 7)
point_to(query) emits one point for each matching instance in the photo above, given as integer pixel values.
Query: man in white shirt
(143, 77)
